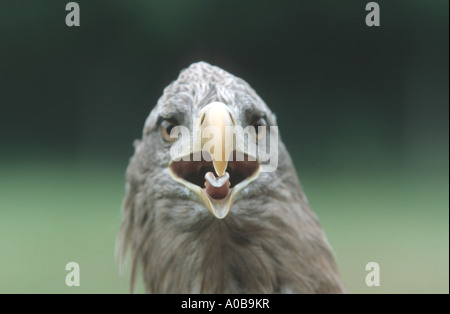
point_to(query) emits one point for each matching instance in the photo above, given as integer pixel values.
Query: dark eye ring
(259, 129)
(166, 128)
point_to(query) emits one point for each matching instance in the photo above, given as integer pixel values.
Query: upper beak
(213, 138)
(217, 120)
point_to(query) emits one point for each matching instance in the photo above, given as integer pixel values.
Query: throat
(233, 260)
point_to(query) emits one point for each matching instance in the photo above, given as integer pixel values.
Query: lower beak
(224, 170)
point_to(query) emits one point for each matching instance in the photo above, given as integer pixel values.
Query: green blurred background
(363, 111)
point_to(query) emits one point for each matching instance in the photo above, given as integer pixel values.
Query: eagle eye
(166, 128)
(259, 127)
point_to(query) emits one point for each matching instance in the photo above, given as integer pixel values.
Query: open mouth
(195, 171)
(215, 176)
(202, 173)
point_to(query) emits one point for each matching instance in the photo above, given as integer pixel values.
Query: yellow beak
(217, 120)
(213, 138)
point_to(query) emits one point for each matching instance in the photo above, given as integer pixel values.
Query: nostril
(202, 118)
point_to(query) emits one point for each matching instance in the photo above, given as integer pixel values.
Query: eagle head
(213, 203)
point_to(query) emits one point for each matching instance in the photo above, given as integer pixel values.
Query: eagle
(218, 220)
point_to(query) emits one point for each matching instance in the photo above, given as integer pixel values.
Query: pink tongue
(217, 188)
